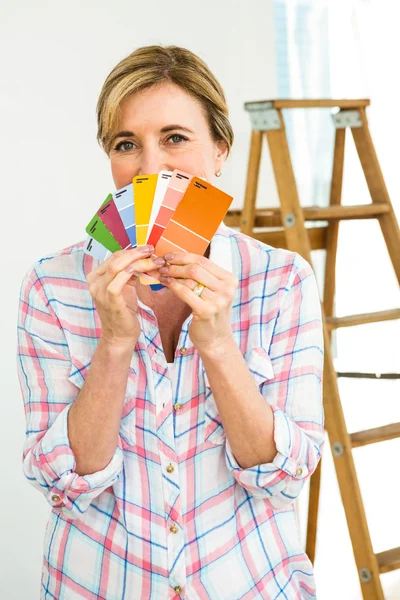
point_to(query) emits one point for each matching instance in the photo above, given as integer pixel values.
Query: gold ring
(198, 289)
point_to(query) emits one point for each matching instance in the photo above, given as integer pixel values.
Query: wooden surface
(389, 560)
(377, 434)
(363, 318)
(309, 103)
(247, 216)
(272, 217)
(377, 188)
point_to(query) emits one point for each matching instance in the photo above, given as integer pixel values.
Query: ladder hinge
(263, 116)
(347, 118)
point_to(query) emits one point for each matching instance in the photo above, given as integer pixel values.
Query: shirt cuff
(291, 466)
(53, 465)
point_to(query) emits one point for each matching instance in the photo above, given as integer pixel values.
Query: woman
(171, 431)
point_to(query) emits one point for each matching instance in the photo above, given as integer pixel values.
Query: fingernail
(159, 261)
(146, 249)
(169, 256)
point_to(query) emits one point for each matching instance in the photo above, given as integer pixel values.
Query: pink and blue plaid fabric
(234, 531)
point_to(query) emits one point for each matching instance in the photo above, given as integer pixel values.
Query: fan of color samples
(172, 210)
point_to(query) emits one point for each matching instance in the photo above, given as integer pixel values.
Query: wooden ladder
(290, 217)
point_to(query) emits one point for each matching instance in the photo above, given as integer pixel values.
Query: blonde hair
(151, 65)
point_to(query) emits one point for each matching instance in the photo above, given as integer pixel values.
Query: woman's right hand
(113, 289)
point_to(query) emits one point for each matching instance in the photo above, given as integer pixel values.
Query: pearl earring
(218, 174)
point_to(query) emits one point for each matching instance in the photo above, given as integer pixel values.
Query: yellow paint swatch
(144, 187)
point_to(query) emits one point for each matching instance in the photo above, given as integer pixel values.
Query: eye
(119, 146)
(177, 135)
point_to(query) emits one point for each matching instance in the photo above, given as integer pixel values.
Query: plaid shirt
(173, 515)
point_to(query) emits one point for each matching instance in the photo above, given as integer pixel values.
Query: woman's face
(163, 128)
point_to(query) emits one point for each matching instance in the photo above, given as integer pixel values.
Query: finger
(123, 258)
(186, 258)
(115, 287)
(134, 267)
(194, 272)
(206, 294)
(133, 271)
(101, 286)
(196, 303)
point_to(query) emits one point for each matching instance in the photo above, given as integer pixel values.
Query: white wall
(55, 57)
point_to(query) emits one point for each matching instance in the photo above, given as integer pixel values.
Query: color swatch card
(124, 202)
(173, 211)
(196, 219)
(165, 205)
(97, 250)
(109, 214)
(98, 231)
(173, 195)
(163, 181)
(144, 187)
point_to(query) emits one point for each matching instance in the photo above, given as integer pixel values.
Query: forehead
(160, 105)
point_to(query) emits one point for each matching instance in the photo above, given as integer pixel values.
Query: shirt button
(178, 589)
(183, 350)
(177, 406)
(170, 469)
(299, 471)
(174, 529)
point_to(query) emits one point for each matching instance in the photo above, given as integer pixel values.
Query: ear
(221, 153)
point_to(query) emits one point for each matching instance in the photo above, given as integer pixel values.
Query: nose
(152, 161)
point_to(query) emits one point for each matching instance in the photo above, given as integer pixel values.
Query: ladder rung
(352, 320)
(377, 434)
(277, 238)
(361, 211)
(368, 375)
(389, 560)
(271, 217)
(308, 103)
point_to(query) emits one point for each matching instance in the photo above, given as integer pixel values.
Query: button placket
(175, 543)
(169, 464)
(175, 539)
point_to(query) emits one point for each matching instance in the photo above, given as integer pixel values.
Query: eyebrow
(163, 130)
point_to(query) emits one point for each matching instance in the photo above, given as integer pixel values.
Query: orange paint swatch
(196, 219)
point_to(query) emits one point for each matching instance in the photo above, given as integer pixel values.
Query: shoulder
(60, 270)
(252, 257)
(67, 262)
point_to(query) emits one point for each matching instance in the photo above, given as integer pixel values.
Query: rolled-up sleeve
(44, 365)
(294, 393)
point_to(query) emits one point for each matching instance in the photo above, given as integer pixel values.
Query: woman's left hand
(211, 324)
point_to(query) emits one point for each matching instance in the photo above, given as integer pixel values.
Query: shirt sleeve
(294, 394)
(44, 365)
